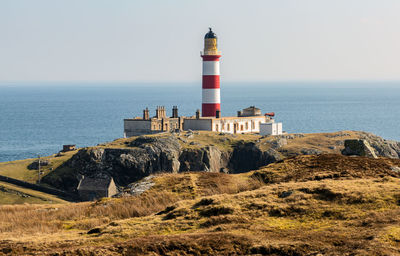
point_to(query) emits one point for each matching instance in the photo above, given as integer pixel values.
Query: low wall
(52, 191)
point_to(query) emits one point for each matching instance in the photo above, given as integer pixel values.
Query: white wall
(271, 129)
(241, 123)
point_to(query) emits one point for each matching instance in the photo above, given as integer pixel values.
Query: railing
(210, 53)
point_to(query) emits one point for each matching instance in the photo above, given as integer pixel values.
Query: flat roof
(225, 117)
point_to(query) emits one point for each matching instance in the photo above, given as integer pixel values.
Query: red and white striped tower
(211, 100)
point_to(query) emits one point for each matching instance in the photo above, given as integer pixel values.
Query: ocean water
(39, 118)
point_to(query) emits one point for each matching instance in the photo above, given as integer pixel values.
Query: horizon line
(199, 81)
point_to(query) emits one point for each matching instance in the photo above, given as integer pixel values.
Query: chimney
(146, 114)
(198, 114)
(158, 112)
(175, 112)
(218, 113)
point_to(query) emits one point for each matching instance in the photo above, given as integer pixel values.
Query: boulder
(271, 156)
(358, 148)
(386, 148)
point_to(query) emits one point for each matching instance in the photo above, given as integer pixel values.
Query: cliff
(129, 160)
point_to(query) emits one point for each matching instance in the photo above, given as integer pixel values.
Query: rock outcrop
(373, 146)
(385, 148)
(147, 155)
(209, 159)
(249, 156)
(358, 148)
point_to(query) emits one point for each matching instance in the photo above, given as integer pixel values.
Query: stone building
(250, 111)
(67, 148)
(156, 124)
(92, 188)
(247, 121)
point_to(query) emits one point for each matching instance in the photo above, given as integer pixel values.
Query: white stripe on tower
(210, 68)
(211, 96)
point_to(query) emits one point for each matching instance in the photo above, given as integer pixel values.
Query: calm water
(40, 118)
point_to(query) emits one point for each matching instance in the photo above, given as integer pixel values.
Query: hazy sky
(150, 40)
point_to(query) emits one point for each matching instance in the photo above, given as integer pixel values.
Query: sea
(38, 118)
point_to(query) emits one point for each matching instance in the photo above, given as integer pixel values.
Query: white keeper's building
(249, 120)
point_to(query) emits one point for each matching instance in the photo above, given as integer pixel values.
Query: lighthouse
(211, 100)
(248, 120)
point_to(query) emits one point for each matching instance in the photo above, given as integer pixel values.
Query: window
(247, 126)
(253, 125)
(216, 127)
(228, 127)
(241, 127)
(223, 127)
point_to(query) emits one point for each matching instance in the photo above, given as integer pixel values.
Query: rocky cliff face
(150, 155)
(249, 156)
(145, 156)
(385, 148)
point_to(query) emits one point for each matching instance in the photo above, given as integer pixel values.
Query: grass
(19, 169)
(12, 194)
(182, 212)
(323, 142)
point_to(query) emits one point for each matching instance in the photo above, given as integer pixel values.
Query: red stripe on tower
(211, 100)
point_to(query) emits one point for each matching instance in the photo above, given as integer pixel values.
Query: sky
(160, 41)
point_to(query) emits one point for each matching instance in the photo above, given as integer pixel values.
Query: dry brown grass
(327, 166)
(28, 219)
(169, 189)
(319, 141)
(220, 214)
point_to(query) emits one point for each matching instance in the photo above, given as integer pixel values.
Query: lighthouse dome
(210, 34)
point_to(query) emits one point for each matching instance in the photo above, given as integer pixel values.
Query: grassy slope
(19, 169)
(308, 205)
(12, 194)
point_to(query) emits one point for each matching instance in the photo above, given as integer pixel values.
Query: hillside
(198, 193)
(12, 194)
(129, 160)
(305, 205)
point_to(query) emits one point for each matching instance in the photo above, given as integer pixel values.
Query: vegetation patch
(167, 210)
(218, 220)
(215, 211)
(203, 202)
(176, 213)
